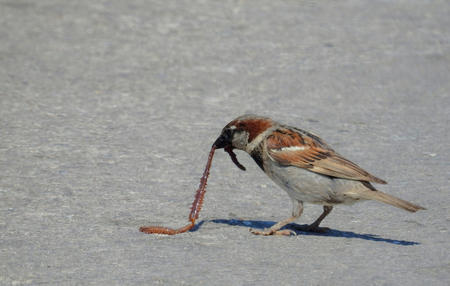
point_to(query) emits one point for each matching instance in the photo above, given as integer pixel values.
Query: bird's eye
(228, 133)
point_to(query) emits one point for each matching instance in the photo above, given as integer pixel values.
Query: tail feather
(388, 199)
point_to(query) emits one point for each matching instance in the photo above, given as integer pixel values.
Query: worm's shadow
(331, 233)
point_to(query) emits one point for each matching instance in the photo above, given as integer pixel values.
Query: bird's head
(243, 133)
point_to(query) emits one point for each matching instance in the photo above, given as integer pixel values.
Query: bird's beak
(224, 142)
(221, 142)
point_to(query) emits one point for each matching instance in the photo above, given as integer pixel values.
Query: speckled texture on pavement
(108, 110)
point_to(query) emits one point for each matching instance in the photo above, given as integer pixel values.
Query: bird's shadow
(331, 233)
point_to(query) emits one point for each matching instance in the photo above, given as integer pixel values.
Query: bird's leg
(297, 209)
(314, 227)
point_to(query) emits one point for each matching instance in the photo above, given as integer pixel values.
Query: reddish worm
(196, 205)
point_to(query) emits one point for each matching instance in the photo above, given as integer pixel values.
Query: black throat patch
(256, 155)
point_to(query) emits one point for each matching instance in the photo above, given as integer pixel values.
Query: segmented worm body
(195, 209)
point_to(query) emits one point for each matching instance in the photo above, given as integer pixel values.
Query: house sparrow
(304, 166)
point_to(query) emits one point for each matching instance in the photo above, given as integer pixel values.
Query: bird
(304, 166)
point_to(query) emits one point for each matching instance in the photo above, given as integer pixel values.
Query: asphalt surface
(108, 110)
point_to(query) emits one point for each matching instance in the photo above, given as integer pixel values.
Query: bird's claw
(266, 232)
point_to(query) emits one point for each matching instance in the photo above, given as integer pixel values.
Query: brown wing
(299, 148)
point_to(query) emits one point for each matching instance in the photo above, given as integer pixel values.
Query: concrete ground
(108, 110)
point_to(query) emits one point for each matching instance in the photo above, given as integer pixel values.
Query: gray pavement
(108, 110)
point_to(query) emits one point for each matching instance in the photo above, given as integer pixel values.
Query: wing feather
(295, 147)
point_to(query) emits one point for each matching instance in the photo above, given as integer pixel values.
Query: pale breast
(307, 186)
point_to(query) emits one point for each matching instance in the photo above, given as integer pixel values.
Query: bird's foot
(268, 231)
